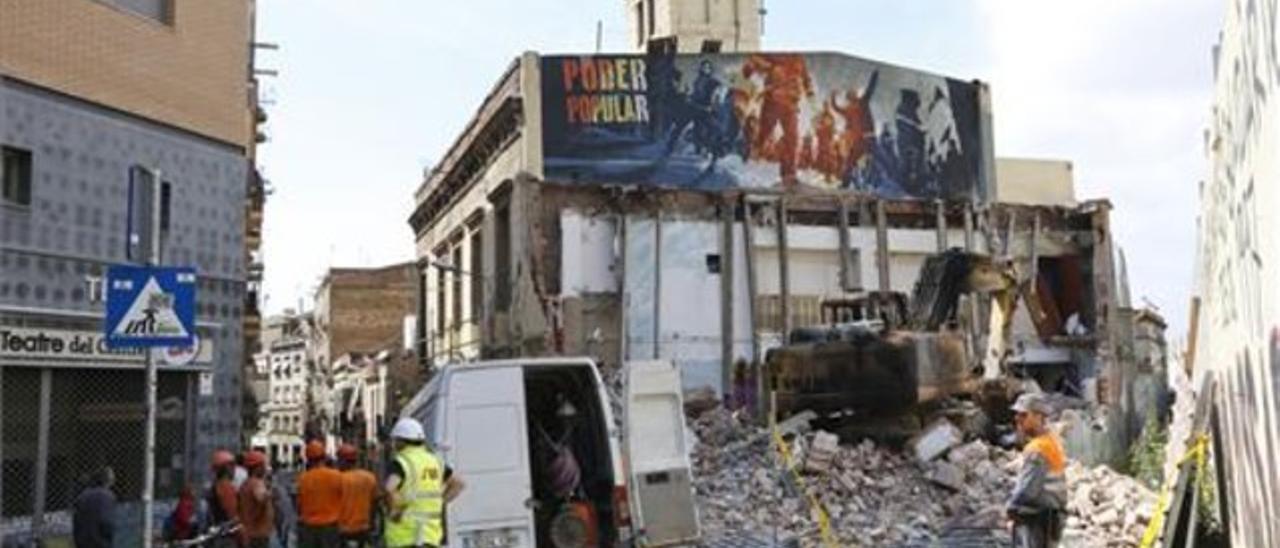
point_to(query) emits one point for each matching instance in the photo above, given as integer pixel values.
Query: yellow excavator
(881, 355)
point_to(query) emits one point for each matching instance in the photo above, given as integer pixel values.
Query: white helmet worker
(408, 429)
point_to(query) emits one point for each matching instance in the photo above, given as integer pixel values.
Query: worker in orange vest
(319, 500)
(1037, 507)
(359, 495)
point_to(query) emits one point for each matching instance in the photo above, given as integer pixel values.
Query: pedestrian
(359, 493)
(1038, 504)
(94, 512)
(240, 474)
(257, 513)
(319, 500)
(418, 487)
(282, 497)
(181, 524)
(223, 499)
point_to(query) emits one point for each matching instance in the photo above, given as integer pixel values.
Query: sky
(370, 93)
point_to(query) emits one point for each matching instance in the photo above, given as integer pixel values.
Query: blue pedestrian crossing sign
(150, 306)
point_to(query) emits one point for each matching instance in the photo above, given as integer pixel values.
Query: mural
(714, 121)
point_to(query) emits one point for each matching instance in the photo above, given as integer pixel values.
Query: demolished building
(598, 205)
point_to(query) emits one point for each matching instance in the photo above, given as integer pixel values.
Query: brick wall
(192, 73)
(367, 307)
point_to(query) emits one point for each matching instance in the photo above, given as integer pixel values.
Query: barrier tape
(1199, 452)
(815, 505)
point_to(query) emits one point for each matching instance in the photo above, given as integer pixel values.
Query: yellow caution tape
(1199, 452)
(815, 505)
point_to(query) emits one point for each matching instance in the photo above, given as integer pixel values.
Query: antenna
(763, 12)
(599, 34)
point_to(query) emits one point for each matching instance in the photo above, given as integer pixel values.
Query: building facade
(285, 363)
(90, 92)
(358, 312)
(1235, 334)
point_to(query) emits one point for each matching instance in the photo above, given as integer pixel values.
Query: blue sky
(370, 92)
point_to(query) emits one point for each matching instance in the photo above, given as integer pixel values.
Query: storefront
(70, 406)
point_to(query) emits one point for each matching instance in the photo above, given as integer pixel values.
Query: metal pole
(42, 453)
(1, 439)
(149, 463)
(624, 342)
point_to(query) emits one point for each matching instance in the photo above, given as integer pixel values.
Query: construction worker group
(337, 506)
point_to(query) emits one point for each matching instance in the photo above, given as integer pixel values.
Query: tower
(690, 26)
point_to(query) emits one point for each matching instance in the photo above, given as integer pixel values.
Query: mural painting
(787, 120)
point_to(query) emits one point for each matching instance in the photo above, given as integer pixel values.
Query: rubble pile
(877, 496)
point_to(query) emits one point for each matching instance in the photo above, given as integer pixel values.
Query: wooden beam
(941, 222)
(882, 246)
(749, 245)
(842, 227)
(657, 284)
(727, 213)
(784, 269)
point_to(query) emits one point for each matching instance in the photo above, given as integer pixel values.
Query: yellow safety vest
(422, 491)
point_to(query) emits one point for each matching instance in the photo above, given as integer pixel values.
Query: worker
(1036, 508)
(223, 500)
(319, 500)
(359, 492)
(418, 486)
(257, 513)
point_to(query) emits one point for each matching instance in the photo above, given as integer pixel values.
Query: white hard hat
(408, 429)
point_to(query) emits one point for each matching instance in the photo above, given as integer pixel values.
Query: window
(649, 11)
(15, 165)
(477, 276)
(710, 46)
(160, 11)
(502, 256)
(457, 285)
(440, 310)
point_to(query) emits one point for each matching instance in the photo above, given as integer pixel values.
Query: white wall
(1239, 331)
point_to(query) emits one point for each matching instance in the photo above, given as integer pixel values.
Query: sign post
(148, 307)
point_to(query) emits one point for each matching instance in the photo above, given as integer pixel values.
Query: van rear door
(488, 447)
(659, 470)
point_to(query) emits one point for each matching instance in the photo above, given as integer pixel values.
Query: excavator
(882, 355)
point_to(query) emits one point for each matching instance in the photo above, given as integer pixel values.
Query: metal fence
(61, 425)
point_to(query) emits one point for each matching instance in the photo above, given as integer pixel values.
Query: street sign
(150, 306)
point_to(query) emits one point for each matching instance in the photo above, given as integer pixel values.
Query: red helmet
(348, 453)
(255, 459)
(315, 450)
(222, 459)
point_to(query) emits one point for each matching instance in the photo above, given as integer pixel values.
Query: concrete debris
(697, 402)
(877, 496)
(947, 475)
(821, 452)
(935, 440)
(800, 423)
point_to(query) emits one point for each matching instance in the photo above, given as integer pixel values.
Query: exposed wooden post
(842, 226)
(1035, 253)
(727, 213)
(749, 247)
(968, 227)
(784, 269)
(624, 341)
(941, 211)
(657, 284)
(1008, 233)
(882, 246)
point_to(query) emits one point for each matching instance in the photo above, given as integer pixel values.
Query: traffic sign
(150, 306)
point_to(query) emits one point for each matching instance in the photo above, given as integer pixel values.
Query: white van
(502, 424)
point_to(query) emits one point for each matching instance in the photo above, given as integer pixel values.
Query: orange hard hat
(255, 459)
(221, 459)
(348, 453)
(315, 450)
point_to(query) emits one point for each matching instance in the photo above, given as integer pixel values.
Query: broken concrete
(935, 440)
(879, 497)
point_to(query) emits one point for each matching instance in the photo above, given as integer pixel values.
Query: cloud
(1123, 90)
